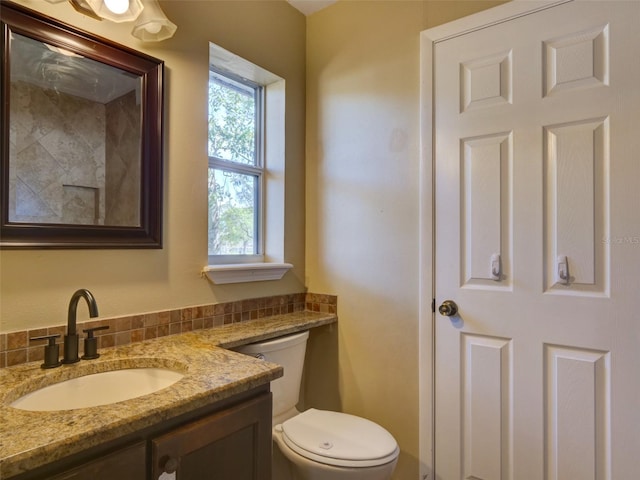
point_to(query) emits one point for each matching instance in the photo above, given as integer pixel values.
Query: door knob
(448, 308)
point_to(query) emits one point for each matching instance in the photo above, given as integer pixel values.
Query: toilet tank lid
(339, 439)
(274, 344)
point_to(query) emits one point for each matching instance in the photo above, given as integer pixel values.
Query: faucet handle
(91, 343)
(51, 351)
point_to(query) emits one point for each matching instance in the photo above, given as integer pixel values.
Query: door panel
(537, 239)
(128, 463)
(232, 444)
(485, 217)
(577, 427)
(487, 364)
(576, 207)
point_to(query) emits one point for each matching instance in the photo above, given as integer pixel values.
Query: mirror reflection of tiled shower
(80, 205)
(70, 156)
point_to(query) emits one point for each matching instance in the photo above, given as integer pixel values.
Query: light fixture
(117, 6)
(83, 7)
(117, 10)
(152, 24)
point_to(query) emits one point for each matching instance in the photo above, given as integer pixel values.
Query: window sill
(246, 272)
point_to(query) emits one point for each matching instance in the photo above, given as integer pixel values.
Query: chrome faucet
(71, 339)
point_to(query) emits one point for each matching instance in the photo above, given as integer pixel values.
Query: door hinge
(433, 305)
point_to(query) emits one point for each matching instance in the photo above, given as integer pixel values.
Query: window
(236, 167)
(246, 150)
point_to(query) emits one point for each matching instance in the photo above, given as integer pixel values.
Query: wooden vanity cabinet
(128, 463)
(234, 444)
(230, 440)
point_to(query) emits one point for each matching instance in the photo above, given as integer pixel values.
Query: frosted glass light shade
(152, 24)
(79, 6)
(83, 7)
(128, 14)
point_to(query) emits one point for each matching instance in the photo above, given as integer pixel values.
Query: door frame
(426, 286)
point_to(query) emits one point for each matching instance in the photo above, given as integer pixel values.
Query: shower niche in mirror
(81, 138)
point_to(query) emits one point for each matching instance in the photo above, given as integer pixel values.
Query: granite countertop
(211, 373)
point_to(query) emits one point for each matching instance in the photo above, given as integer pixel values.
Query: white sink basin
(98, 389)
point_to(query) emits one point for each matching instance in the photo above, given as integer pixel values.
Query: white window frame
(270, 264)
(257, 170)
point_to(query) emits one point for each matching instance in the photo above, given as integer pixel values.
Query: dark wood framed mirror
(81, 137)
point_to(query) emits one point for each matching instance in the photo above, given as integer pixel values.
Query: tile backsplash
(15, 347)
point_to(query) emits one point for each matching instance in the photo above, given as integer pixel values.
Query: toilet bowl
(324, 445)
(320, 444)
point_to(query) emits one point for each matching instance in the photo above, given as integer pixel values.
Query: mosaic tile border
(15, 347)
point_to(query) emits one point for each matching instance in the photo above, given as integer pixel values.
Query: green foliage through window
(235, 167)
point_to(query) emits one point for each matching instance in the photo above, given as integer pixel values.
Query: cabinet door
(234, 444)
(126, 464)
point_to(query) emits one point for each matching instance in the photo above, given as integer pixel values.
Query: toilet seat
(338, 439)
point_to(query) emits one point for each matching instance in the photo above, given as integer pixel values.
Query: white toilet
(319, 444)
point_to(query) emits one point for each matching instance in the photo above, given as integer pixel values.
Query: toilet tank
(287, 351)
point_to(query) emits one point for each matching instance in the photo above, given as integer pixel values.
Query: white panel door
(537, 241)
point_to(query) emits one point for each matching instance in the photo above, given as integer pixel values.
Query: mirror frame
(17, 235)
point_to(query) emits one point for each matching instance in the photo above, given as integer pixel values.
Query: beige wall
(35, 285)
(362, 205)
